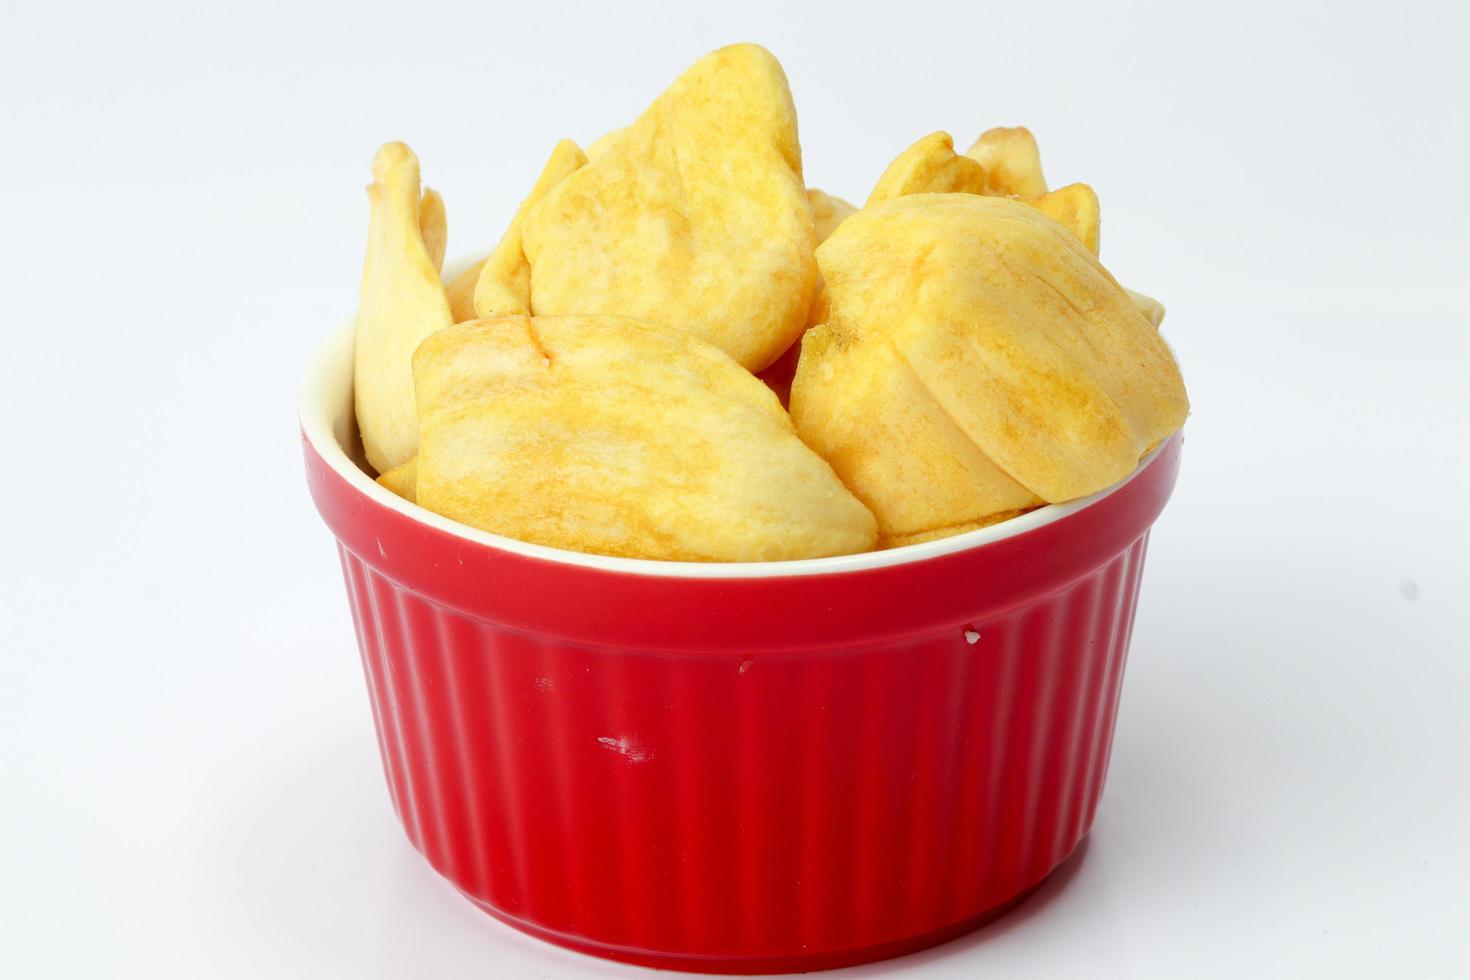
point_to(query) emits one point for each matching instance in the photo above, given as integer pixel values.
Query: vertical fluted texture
(770, 808)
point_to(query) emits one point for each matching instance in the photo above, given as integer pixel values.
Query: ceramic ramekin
(737, 767)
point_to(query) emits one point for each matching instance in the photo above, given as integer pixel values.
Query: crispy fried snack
(599, 146)
(402, 302)
(861, 407)
(696, 217)
(1075, 208)
(930, 166)
(1011, 160)
(504, 286)
(1152, 309)
(601, 434)
(1016, 341)
(461, 292)
(434, 227)
(403, 479)
(828, 211)
(1014, 163)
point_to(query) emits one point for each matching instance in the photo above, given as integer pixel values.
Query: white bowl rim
(328, 384)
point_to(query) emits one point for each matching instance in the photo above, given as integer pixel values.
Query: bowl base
(788, 963)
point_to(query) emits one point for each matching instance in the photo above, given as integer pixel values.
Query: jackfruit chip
(604, 435)
(695, 218)
(402, 302)
(861, 407)
(1075, 208)
(403, 479)
(930, 166)
(599, 146)
(1009, 326)
(828, 211)
(1152, 309)
(1011, 160)
(504, 286)
(461, 292)
(434, 227)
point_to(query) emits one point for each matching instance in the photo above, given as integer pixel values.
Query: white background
(190, 782)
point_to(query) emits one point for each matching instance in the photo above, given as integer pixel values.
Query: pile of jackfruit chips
(679, 351)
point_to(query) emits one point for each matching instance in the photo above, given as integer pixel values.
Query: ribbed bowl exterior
(747, 806)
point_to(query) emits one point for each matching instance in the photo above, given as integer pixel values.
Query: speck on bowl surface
(737, 768)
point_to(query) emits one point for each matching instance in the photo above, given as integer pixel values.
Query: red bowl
(737, 767)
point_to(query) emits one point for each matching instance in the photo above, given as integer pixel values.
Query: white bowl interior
(328, 421)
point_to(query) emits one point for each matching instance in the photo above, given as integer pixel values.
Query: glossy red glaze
(745, 774)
